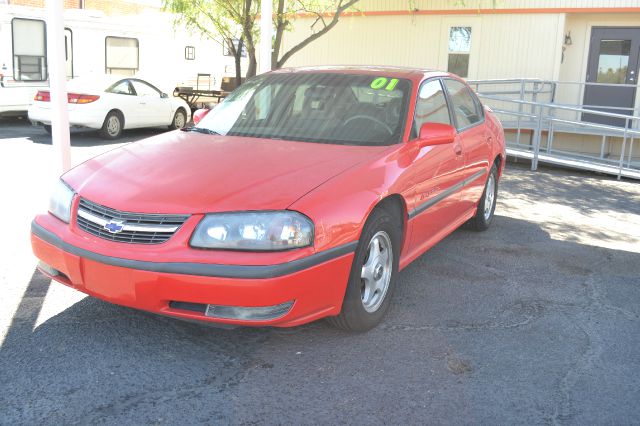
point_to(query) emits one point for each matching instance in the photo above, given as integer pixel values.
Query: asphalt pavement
(536, 321)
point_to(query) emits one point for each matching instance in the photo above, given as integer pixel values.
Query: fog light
(261, 313)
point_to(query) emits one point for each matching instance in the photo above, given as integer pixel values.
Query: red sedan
(301, 196)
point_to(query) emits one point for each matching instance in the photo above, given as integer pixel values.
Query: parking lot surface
(536, 321)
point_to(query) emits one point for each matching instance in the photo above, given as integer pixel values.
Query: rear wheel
(373, 274)
(487, 205)
(179, 120)
(112, 126)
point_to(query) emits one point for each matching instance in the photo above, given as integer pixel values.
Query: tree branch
(342, 6)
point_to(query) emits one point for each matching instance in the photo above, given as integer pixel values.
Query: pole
(58, 83)
(266, 34)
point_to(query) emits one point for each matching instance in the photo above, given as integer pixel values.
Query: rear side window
(431, 106)
(122, 88)
(466, 108)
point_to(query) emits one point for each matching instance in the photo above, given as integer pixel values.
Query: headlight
(60, 202)
(258, 231)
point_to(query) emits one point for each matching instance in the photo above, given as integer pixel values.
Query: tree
(224, 21)
(234, 23)
(327, 14)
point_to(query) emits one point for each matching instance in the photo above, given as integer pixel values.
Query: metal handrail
(555, 88)
(563, 107)
(538, 80)
(544, 113)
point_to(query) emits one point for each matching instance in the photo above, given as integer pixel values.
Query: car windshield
(315, 107)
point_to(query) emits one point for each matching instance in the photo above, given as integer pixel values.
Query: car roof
(399, 72)
(94, 81)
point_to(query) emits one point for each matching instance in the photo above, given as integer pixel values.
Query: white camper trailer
(147, 45)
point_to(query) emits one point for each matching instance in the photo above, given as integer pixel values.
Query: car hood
(180, 172)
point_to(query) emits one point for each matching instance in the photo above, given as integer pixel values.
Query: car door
(153, 109)
(121, 96)
(437, 171)
(468, 115)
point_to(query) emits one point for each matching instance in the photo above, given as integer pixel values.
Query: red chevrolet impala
(299, 197)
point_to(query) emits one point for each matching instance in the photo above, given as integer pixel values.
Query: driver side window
(431, 106)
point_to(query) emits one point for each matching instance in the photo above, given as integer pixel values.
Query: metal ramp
(537, 127)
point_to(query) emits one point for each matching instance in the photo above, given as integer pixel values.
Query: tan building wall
(422, 41)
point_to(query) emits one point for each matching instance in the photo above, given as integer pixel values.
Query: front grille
(137, 228)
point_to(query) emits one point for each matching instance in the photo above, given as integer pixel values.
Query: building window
(190, 53)
(227, 49)
(613, 61)
(459, 49)
(29, 50)
(121, 55)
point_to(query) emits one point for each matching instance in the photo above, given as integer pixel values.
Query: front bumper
(316, 284)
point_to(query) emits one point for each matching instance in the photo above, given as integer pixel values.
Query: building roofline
(476, 11)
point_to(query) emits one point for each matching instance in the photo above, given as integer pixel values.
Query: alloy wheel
(489, 196)
(376, 272)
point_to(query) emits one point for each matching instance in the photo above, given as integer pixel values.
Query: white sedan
(111, 104)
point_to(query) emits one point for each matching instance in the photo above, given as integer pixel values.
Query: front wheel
(373, 274)
(487, 205)
(179, 120)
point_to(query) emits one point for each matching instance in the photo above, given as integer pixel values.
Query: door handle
(143, 103)
(489, 140)
(458, 149)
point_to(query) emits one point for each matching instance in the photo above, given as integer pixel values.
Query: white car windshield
(315, 107)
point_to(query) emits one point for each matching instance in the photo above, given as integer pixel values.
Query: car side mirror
(436, 134)
(199, 115)
(164, 96)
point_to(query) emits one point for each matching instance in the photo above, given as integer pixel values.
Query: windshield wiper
(199, 130)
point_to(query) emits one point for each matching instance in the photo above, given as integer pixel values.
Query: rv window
(121, 55)
(190, 53)
(29, 50)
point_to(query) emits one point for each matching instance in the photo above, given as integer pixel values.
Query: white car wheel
(112, 126)
(179, 120)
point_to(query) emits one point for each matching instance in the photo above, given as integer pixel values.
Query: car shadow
(89, 138)
(97, 361)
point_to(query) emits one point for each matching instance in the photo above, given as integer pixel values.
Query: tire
(179, 120)
(47, 128)
(362, 308)
(112, 126)
(487, 205)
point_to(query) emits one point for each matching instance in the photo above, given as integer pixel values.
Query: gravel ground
(535, 321)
